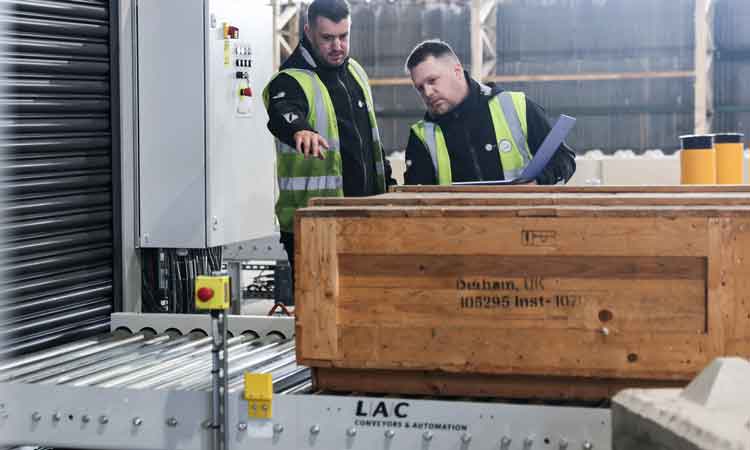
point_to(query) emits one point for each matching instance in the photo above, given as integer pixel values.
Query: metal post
(285, 29)
(704, 54)
(234, 270)
(276, 38)
(483, 38)
(219, 391)
(476, 40)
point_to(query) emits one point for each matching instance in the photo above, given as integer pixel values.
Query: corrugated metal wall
(58, 250)
(383, 35)
(572, 37)
(588, 36)
(732, 66)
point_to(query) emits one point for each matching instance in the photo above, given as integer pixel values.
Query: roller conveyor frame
(115, 418)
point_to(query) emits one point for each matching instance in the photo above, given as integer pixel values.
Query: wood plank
(732, 308)
(524, 292)
(718, 293)
(316, 282)
(523, 236)
(573, 189)
(572, 304)
(665, 211)
(406, 269)
(541, 199)
(473, 385)
(553, 352)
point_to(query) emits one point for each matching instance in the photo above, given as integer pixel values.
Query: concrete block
(710, 413)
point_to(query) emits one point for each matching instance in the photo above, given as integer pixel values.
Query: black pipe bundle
(169, 275)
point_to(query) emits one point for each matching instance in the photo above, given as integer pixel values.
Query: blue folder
(536, 166)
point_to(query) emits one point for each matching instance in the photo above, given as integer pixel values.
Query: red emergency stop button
(205, 294)
(247, 92)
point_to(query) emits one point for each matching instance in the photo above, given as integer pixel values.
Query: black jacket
(286, 99)
(472, 145)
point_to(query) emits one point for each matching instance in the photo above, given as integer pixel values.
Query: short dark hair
(335, 10)
(425, 49)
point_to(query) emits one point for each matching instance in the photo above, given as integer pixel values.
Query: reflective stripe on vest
(511, 118)
(433, 137)
(324, 183)
(430, 139)
(509, 125)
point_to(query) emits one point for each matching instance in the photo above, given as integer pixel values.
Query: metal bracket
(265, 248)
(185, 323)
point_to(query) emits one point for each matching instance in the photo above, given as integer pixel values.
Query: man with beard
(321, 112)
(473, 131)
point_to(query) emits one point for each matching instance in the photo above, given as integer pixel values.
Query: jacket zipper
(356, 130)
(474, 159)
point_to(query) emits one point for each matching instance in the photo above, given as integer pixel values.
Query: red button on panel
(247, 92)
(205, 294)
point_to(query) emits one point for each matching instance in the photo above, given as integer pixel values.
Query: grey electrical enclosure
(205, 158)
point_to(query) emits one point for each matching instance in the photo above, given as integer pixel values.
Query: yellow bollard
(697, 160)
(729, 158)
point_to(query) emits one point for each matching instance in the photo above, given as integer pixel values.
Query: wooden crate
(497, 295)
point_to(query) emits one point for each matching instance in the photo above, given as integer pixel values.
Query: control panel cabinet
(206, 162)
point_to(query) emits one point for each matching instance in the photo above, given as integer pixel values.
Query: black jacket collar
(479, 94)
(304, 57)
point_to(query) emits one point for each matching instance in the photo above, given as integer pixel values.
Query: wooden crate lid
(479, 211)
(540, 199)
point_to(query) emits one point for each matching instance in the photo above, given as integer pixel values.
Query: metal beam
(599, 76)
(285, 29)
(577, 111)
(477, 57)
(483, 38)
(489, 44)
(130, 259)
(276, 38)
(485, 10)
(61, 416)
(287, 14)
(704, 55)
(490, 62)
(287, 48)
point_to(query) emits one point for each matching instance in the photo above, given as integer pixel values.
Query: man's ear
(459, 71)
(307, 31)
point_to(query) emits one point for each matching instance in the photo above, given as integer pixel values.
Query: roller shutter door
(58, 247)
